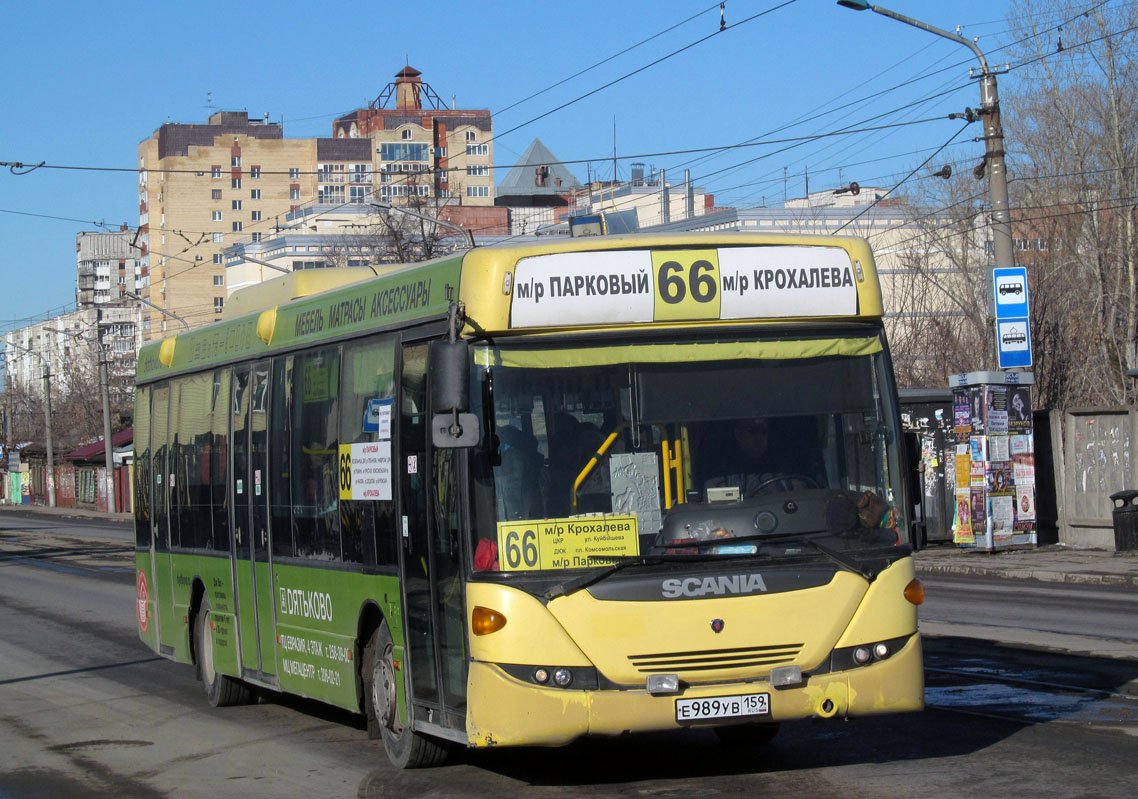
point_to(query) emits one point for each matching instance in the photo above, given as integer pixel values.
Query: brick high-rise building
(205, 187)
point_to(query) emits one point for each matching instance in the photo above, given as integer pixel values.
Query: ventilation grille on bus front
(711, 659)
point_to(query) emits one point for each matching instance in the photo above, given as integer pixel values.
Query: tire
(405, 748)
(221, 690)
(747, 734)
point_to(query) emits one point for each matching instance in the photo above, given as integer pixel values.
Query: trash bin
(1125, 520)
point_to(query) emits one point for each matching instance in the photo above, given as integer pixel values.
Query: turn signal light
(914, 592)
(484, 621)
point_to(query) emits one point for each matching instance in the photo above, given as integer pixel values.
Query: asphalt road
(86, 710)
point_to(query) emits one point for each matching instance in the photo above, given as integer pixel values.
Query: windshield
(725, 447)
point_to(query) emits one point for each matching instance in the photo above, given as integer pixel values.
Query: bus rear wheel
(747, 734)
(405, 748)
(220, 689)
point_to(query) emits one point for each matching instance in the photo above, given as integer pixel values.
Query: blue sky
(84, 83)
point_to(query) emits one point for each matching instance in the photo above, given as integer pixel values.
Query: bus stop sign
(1013, 329)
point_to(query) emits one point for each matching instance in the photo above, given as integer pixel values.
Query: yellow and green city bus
(530, 493)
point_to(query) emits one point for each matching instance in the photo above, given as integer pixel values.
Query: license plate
(722, 707)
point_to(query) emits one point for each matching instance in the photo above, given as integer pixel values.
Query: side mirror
(449, 371)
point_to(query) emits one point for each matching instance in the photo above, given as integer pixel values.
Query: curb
(1039, 574)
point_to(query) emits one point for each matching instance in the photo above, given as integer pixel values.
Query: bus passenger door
(431, 571)
(250, 520)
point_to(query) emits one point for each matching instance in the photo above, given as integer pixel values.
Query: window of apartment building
(406, 134)
(236, 205)
(254, 171)
(236, 183)
(235, 161)
(256, 216)
(299, 265)
(257, 237)
(358, 195)
(217, 257)
(477, 149)
(255, 194)
(330, 195)
(216, 172)
(404, 190)
(236, 227)
(477, 191)
(361, 173)
(331, 173)
(219, 280)
(478, 171)
(471, 136)
(293, 173)
(215, 194)
(399, 151)
(217, 216)
(294, 194)
(218, 304)
(218, 238)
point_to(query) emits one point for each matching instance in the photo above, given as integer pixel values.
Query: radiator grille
(715, 659)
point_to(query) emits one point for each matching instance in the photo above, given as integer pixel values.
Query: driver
(748, 463)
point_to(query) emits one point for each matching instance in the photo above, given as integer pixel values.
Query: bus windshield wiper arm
(585, 580)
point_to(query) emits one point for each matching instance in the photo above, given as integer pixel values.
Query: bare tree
(1071, 115)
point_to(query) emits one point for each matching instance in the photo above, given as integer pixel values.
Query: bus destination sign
(624, 286)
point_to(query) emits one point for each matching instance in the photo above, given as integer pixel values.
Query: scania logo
(723, 584)
(717, 625)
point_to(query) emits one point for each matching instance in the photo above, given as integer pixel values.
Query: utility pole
(104, 385)
(993, 134)
(49, 474)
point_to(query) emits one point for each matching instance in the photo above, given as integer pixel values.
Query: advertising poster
(1025, 508)
(998, 448)
(1023, 460)
(976, 409)
(979, 513)
(962, 529)
(961, 416)
(1002, 519)
(1000, 478)
(1019, 408)
(996, 414)
(978, 457)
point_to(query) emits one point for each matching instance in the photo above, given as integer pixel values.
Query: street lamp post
(993, 134)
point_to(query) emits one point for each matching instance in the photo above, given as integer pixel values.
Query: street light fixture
(993, 133)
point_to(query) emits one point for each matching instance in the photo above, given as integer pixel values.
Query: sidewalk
(1054, 563)
(67, 513)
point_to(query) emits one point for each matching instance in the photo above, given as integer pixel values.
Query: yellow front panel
(794, 627)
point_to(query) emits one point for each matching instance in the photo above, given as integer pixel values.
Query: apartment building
(205, 187)
(69, 344)
(108, 267)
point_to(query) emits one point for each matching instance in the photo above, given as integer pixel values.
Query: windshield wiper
(585, 580)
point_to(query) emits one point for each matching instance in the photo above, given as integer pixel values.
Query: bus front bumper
(504, 711)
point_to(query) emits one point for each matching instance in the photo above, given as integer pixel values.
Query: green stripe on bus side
(401, 297)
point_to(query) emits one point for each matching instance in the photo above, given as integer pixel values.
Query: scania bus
(533, 492)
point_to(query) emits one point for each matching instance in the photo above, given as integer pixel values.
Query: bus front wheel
(220, 689)
(405, 748)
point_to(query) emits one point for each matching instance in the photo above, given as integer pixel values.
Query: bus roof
(557, 285)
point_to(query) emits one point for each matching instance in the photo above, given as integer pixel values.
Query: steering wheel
(784, 481)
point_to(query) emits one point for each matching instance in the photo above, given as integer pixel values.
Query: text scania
(308, 604)
(702, 586)
(585, 286)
